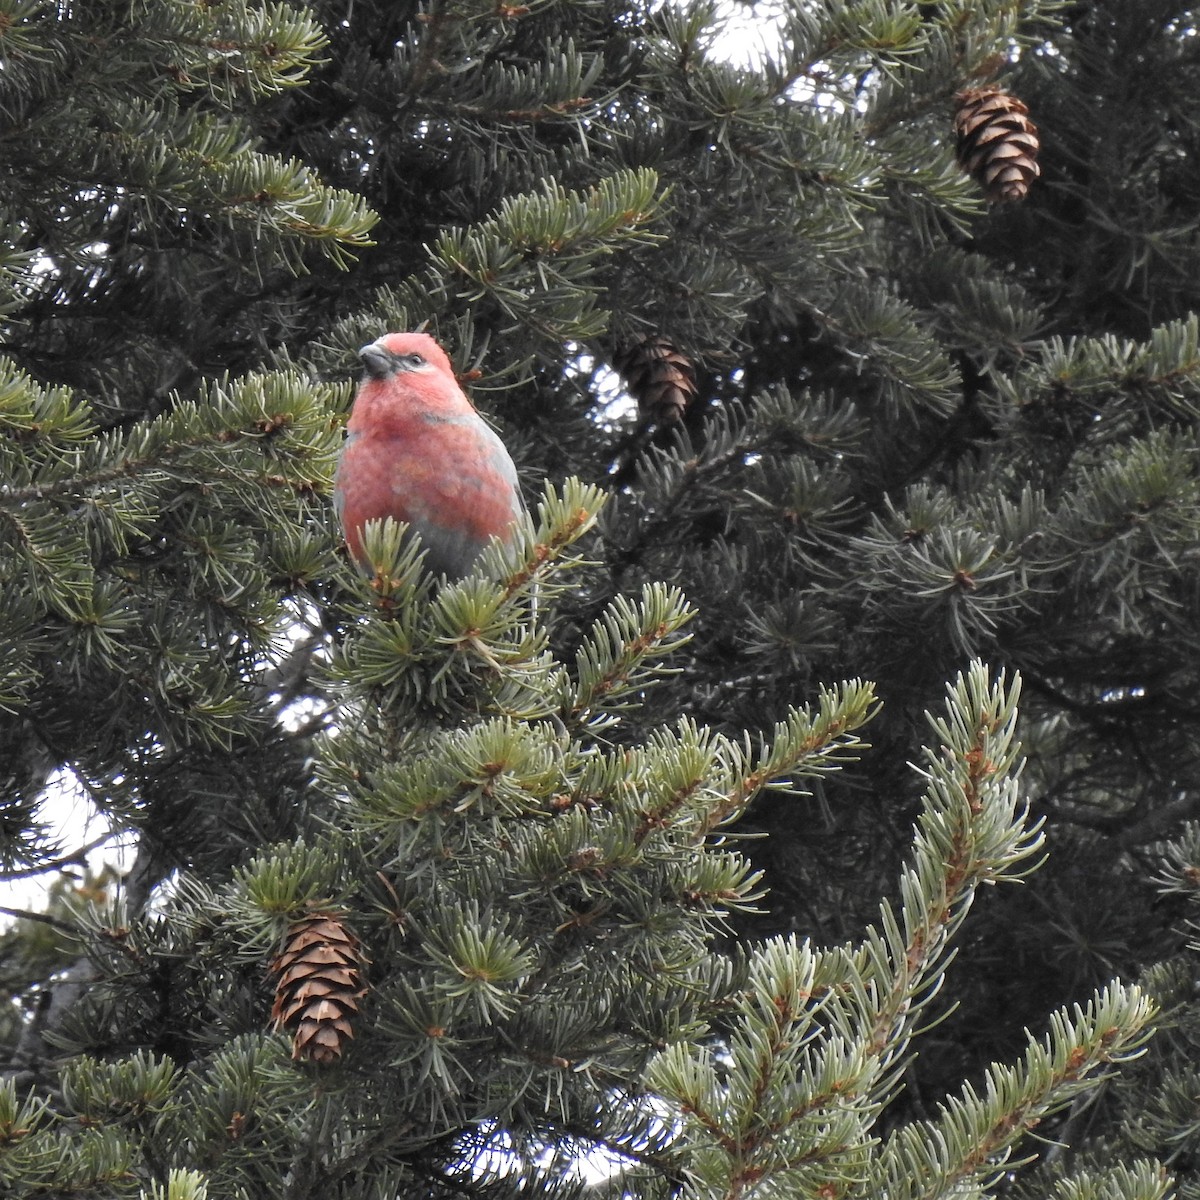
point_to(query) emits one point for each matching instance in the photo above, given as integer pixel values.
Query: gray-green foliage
(539, 905)
(922, 435)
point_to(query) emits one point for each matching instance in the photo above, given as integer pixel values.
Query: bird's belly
(455, 499)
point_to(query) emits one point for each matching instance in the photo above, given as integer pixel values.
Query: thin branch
(437, 22)
(76, 857)
(25, 914)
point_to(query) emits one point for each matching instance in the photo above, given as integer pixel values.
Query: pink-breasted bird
(417, 451)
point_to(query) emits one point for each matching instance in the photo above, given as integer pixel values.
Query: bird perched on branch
(417, 451)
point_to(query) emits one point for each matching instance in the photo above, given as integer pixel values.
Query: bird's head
(398, 353)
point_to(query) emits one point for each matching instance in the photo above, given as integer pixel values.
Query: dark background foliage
(926, 429)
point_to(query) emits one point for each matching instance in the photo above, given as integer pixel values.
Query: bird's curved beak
(380, 363)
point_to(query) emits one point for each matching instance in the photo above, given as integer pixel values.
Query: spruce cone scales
(660, 378)
(319, 987)
(997, 142)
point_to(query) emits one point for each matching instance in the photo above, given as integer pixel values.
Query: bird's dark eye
(415, 360)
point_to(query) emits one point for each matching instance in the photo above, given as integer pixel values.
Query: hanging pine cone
(320, 985)
(659, 377)
(997, 142)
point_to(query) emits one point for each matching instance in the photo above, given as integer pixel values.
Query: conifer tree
(796, 401)
(1150, 1112)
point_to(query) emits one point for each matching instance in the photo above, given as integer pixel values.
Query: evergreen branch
(1133, 828)
(976, 1133)
(261, 409)
(812, 1054)
(437, 22)
(535, 261)
(547, 112)
(73, 485)
(783, 1106)
(1140, 1179)
(620, 655)
(25, 914)
(683, 472)
(803, 745)
(564, 515)
(690, 470)
(972, 830)
(77, 857)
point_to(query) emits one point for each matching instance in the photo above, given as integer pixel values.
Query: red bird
(417, 451)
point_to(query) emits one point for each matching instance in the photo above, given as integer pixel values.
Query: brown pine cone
(319, 987)
(997, 142)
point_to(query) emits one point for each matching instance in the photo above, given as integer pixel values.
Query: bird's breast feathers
(462, 477)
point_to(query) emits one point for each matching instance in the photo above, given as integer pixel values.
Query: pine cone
(997, 142)
(660, 378)
(320, 985)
